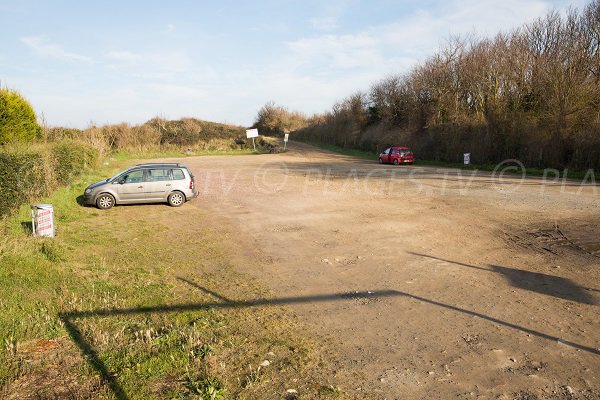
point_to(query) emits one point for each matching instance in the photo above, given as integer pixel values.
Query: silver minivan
(172, 183)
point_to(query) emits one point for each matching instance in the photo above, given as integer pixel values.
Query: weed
(207, 387)
(330, 391)
(252, 377)
(51, 250)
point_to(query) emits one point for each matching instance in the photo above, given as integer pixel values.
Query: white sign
(286, 137)
(42, 220)
(467, 158)
(251, 133)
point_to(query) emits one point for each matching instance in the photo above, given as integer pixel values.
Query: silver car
(145, 183)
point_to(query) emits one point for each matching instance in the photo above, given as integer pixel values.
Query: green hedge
(28, 174)
(23, 176)
(71, 158)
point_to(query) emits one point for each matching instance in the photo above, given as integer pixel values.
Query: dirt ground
(422, 282)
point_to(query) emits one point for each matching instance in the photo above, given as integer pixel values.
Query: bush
(274, 120)
(192, 132)
(71, 158)
(33, 173)
(17, 119)
(23, 176)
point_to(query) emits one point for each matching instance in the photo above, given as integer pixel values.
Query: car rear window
(178, 174)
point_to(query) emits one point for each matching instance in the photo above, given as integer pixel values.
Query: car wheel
(176, 199)
(105, 201)
(380, 161)
(396, 161)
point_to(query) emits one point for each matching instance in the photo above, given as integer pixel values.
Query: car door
(390, 156)
(386, 156)
(130, 186)
(393, 155)
(158, 183)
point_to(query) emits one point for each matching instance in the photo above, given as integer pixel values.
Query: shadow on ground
(91, 355)
(548, 285)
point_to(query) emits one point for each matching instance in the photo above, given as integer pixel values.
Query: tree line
(532, 94)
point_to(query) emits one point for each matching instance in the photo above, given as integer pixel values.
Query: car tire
(396, 161)
(176, 199)
(105, 201)
(380, 161)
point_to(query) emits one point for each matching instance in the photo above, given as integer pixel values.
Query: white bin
(42, 220)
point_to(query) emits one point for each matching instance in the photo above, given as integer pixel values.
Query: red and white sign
(42, 220)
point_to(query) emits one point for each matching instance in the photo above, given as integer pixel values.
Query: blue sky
(80, 62)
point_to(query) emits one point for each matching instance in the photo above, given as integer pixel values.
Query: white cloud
(399, 45)
(42, 48)
(124, 56)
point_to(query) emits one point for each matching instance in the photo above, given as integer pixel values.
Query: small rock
(570, 389)
(337, 260)
(431, 372)
(557, 266)
(271, 354)
(265, 363)
(513, 359)
(291, 391)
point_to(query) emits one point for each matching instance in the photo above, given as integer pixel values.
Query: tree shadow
(92, 356)
(549, 285)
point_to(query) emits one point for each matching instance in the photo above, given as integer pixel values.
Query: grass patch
(63, 297)
(124, 155)
(367, 155)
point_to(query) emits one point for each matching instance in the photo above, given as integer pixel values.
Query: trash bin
(42, 220)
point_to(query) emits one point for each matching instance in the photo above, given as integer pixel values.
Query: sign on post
(42, 220)
(467, 158)
(285, 140)
(252, 133)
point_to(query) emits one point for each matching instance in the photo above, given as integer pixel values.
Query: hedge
(29, 174)
(71, 158)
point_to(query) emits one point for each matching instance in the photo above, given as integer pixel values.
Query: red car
(397, 155)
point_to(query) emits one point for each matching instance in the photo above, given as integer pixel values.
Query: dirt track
(422, 283)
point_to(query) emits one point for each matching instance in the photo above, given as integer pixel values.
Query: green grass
(367, 155)
(131, 257)
(124, 155)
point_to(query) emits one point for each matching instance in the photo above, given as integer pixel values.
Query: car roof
(160, 165)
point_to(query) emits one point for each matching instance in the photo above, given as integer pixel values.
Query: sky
(98, 62)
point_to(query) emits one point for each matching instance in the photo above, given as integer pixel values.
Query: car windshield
(116, 176)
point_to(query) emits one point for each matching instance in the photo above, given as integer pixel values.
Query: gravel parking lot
(421, 282)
